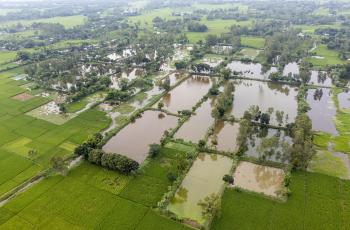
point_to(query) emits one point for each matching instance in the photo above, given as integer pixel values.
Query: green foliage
(154, 150)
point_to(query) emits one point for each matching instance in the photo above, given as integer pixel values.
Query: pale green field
(253, 42)
(146, 18)
(324, 162)
(67, 22)
(7, 56)
(331, 57)
(3, 12)
(216, 27)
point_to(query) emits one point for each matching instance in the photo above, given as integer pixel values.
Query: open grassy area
(215, 27)
(253, 42)
(109, 200)
(317, 202)
(145, 19)
(326, 163)
(67, 22)
(20, 133)
(7, 56)
(329, 57)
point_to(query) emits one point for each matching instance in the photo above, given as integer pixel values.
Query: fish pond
(322, 110)
(251, 70)
(260, 179)
(266, 95)
(224, 136)
(344, 99)
(187, 94)
(196, 127)
(320, 79)
(203, 179)
(267, 145)
(133, 141)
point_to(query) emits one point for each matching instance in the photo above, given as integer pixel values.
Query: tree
(211, 206)
(228, 179)
(62, 108)
(303, 149)
(32, 153)
(59, 165)
(160, 105)
(171, 176)
(265, 119)
(154, 150)
(82, 150)
(166, 83)
(123, 84)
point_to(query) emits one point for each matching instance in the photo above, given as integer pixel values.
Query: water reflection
(265, 95)
(224, 136)
(187, 94)
(322, 110)
(258, 178)
(251, 70)
(203, 179)
(133, 141)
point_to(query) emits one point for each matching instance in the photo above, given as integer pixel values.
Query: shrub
(154, 150)
(228, 179)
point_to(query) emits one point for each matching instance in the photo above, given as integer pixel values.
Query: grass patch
(253, 42)
(326, 163)
(313, 196)
(330, 57)
(322, 139)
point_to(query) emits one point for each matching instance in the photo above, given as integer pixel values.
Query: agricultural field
(22, 133)
(129, 115)
(113, 201)
(312, 195)
(324, 56)
(67, 22)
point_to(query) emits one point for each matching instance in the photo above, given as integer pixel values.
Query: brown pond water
(322, 110)
(320, 79)
(187, 94)
(258, 178)
(196, 127)
(265, 95)
(271, 154)
(133, 141)
(251, 70)
(225, 134)
(344, 99)
(203, 179)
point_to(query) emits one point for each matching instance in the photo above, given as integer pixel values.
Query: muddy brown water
(196, 127)
(133, 141)
(259, 178)
(251, 70)
(322, 110)
(265, 95)
(187, 94)
(225, 134)
(203, 179)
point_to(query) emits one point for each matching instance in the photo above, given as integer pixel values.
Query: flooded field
(322, 110)
(144, 131)
(344, 99)
(186, 95)
(132, 74)
(320, 79)
(265, 95)
(258, 178)
(291, 69)
(203, 179)
(196, 127)
(224, 136)
(265, 152)
(251, 70)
